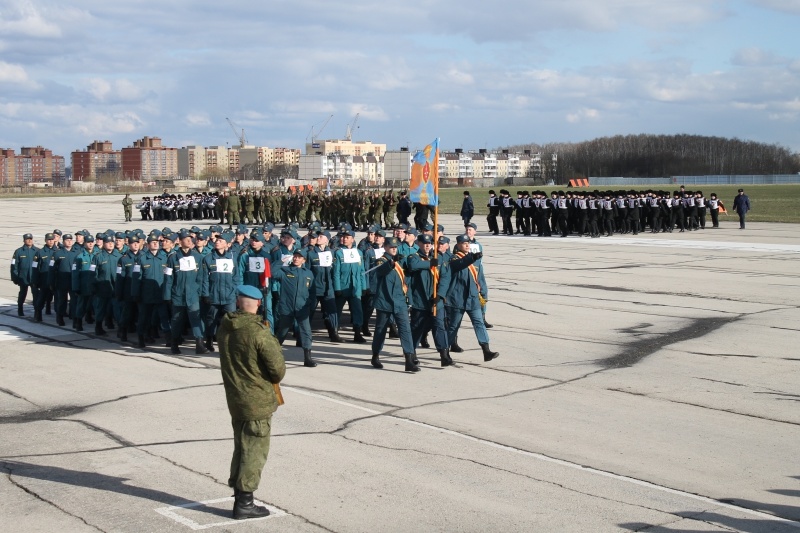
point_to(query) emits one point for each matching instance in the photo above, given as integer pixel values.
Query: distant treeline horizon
(652, 156)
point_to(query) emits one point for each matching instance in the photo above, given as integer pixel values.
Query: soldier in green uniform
(127, 205)
(252, 365)
(232, 208)
(249, 208)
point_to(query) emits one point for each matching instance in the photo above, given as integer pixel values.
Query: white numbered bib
(137, 268)
(474, 248)
(379, 252)
(325, 258)
(286, 259)
(92, 268)
(256, 264)
(351, 255)
(225, 266)
(187, 263)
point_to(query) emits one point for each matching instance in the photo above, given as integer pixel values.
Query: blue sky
(475, 74)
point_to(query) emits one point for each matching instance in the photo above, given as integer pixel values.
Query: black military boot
(89, 318)
(444, 355)
(98, 329)
(110, 323)
(488, 354)
(19, 310)
(199, 347)
(37, 315)
(174, 348)
(244, 507)
(122, 333)
(376, 361)
(78, 324)
(47, 309)
(140, 344)
(424, 342)
(365, 330)
(210, 344)
(60, 320)
(488, 326)
(393, 334)
(455, 348)
(307, 361)
(359, 338)
(410, 366)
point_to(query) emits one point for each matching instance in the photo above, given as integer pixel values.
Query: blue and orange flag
(424, 187)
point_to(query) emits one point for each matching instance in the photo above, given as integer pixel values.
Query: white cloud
(457, 76)
(582, 115)
(115, 90)
(368, 112)
(24, 19)
(10, 73)
(198, 119)
(785, 6)
(755, 57)
(444, 107)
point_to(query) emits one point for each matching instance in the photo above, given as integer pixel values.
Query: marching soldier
(22, 270)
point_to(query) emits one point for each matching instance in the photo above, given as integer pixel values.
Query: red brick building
(32, 165)
(147, 160)
(97, 161)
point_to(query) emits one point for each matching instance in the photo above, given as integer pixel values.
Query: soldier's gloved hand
(477, 255)
(338, 294)
(434, 261)
(398, 257)
(436, 300)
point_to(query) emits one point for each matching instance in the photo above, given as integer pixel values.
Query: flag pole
(436, 227)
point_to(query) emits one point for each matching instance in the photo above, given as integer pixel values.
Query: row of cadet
(171, 283)
(594, 213)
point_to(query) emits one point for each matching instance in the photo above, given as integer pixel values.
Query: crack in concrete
(724, 355)
(724, 382)
(17, 396)
(9, 474)
(691, 404)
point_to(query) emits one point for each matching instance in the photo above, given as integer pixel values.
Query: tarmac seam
(9, 475)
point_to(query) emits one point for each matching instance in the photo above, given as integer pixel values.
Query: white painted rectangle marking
(170, 512)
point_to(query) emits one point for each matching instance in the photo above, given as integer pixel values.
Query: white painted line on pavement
(169, 512)
(560, 462)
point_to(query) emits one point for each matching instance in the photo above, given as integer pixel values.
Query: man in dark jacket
(741, 204)
(252, 364)
(467, 208)
(22, 270)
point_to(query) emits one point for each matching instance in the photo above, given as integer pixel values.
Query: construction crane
(317, 134)
(242, 139)
(351, 128)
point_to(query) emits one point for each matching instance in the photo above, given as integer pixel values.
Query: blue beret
(248, 291)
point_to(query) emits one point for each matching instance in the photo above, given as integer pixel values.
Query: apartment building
(148, 160)
(32, 165)
(99, 160)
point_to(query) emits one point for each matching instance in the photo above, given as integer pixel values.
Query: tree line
(646, 156)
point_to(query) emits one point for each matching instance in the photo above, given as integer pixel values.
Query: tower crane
(351, 128)
(242, 139)
(317, 134)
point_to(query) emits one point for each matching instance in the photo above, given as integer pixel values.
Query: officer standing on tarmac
(494, 210)
(40, 275)
(22, 270)
(251, 364)
(127, 204)
(390, 303)
(297, 299)
(220, 278)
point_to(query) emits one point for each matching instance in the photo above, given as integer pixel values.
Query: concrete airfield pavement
(644, 383)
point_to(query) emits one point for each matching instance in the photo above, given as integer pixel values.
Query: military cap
(152, 238)
(391, 242)
(412, 231)
(403, 226)
(425, 239)
(287, 231)
(57, 231)
(444, 239)
(462, 238)
(171, 236)
(204, 235)
(491, 192)
(165, 229)
(380, 233)
(302, 252)
(184, 233)
(345, 227)
(49, 236)
(88, 238)
(256, 236)
(119, 235)
(215, 229)
(268, 227)
(471, 225)
(133, 238)
(428, 227)
(327, 234)
(101, 237)
(68, 236)
(248, 291)
(350, 232)
(227, 236)
(196, 229)
(156, 232)
(373, 228)
(741, 190)
(27, 236)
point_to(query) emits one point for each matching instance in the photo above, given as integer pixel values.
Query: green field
(768, 203)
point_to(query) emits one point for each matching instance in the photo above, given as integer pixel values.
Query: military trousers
(180, 313)
(300, 322)
(454, 317)
(250, 450)
(382, 321)
(152, 314)
(329, 314)
(43, 298)
(354, 303)
(213, 317)
(423, 321)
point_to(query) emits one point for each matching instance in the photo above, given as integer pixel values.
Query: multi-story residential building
(343, 170)
(97, 161)
(191, 161)
(32, 165)
(148, 160)
(345, 147)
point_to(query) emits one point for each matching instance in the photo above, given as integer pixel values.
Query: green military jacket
(251, 361)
